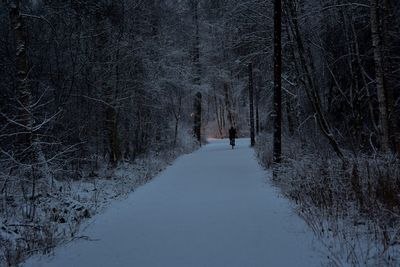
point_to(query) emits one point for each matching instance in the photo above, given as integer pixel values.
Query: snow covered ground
(214, 207)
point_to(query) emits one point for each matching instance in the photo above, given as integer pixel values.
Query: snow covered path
(210, 208)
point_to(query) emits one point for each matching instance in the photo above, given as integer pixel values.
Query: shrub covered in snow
(353, 208)
(37, 224)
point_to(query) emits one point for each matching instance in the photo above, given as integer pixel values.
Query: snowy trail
(210, 208)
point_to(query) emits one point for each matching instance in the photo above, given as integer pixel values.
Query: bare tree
(251, 101)
(277, 115)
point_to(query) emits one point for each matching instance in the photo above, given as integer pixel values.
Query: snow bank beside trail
(354, 210)
(210, 208)
(71, 204)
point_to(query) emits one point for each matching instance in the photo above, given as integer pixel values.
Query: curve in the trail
(210, 208)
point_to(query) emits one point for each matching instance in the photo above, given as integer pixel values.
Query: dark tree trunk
(251, 100)
(197, 116)
(23, 83)
(378, 48)
(228, 105)
(196, 45)
(277, 82)
(222, 114)
(177, 116)
(258, 110)
(218, 116)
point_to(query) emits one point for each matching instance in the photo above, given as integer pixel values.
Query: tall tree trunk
(228, 105)
(23, 83)
(389, 24)
(197, 116)
(258, 110)
(217, 115)
(196, 45)
(277, 153)
(28, 151)
(251, 104)
(177, 116)
(379, 56)
(222, 114)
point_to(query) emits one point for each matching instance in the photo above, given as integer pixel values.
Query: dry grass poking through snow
(37, 225)
(354, 209)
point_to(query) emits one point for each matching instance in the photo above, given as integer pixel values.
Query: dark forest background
(88, 86)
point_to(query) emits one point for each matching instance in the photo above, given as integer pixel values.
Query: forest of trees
(87, 85)
(91, 84)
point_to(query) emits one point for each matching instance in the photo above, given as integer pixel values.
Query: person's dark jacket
(232, 133)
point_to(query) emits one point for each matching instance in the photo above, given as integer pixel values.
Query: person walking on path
(232, 136)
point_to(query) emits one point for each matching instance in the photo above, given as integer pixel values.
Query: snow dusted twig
(84, 237)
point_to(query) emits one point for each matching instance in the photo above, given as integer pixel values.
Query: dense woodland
(88, 86)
